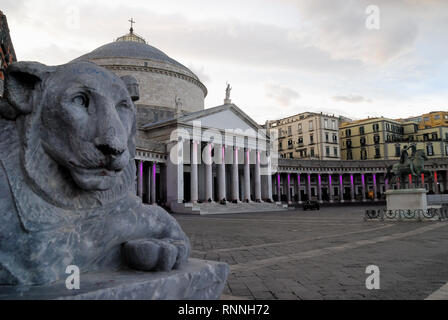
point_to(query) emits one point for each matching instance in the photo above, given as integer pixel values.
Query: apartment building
(308, 135)
(384, 139)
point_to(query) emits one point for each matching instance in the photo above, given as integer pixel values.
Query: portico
(218, 155)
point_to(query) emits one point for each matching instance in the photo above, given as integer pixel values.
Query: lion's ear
(21, 79)
(132, 86)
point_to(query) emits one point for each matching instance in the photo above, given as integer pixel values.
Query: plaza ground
(321, 254)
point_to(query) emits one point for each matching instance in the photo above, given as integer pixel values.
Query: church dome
(130, 46)
(162, 80)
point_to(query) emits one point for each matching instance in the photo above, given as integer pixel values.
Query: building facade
(348, 181)
(430, 120)
(7, 53)
(384, 139)
(308, 135)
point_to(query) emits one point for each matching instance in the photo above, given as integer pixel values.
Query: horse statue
(409, 165)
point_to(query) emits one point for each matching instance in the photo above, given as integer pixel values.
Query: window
(290, 144)
(312, 152)
(310, 125)
(437, 117)
(289, 131)
(333, 125)
(361, 130)
(349, 155)
(446, 149)
(348, 132)
(397, 151)
(327, 137)
(376, 127)
(349, 143)
(311, 139)
(299, 127)
(290, 155)
(335, 138)
(300, 140)
(326, 123)
(363, 154)
(280, 145)
(335, 152)
(377, 152)
(430, 149)
(434, 136)
(426, 119)
(327, 151)
(387, 126)
(388, 138)
(362, 141)
(376, 139)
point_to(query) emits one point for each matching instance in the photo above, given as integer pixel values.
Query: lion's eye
(81, 100)
(124, 105)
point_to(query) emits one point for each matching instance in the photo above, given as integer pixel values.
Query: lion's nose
(107, 150)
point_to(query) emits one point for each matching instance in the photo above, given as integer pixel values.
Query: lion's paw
(155, 254)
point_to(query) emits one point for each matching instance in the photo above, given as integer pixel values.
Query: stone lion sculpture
(67, 178)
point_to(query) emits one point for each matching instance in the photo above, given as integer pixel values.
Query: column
(140, 179)
(352, 188)
(269, 177)
(436, 184)
(386, 182)
(445, 188)
(375, 188)
(341, 188)
(308, 191)
(257, 176)
(175, 174)
(148, 183)
(299, 194)
(363, 184)
(153, 172)
(319, 187)
(194, 172)
(288, 188)
(247, 174)
(222, 175)
(208, 173)
(279, 190)
(330, 188)
(235, 176)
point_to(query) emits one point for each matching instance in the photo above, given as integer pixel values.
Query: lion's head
(81, 115)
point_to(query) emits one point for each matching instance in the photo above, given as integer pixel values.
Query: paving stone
(411, 267)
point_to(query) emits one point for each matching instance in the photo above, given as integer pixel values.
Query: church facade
(188, 158)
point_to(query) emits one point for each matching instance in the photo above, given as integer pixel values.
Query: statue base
(406, 199)
(198, 280)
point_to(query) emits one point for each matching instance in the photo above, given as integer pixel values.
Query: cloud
(324, 49)
(281, 95)
(351, 99)
(199, 71)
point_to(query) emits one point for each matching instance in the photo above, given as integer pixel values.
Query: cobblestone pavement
(321, 254)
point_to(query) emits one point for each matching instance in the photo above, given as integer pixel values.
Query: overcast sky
(281, 57)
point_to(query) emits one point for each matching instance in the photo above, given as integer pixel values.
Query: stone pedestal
(406, 199)
(198, 280)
